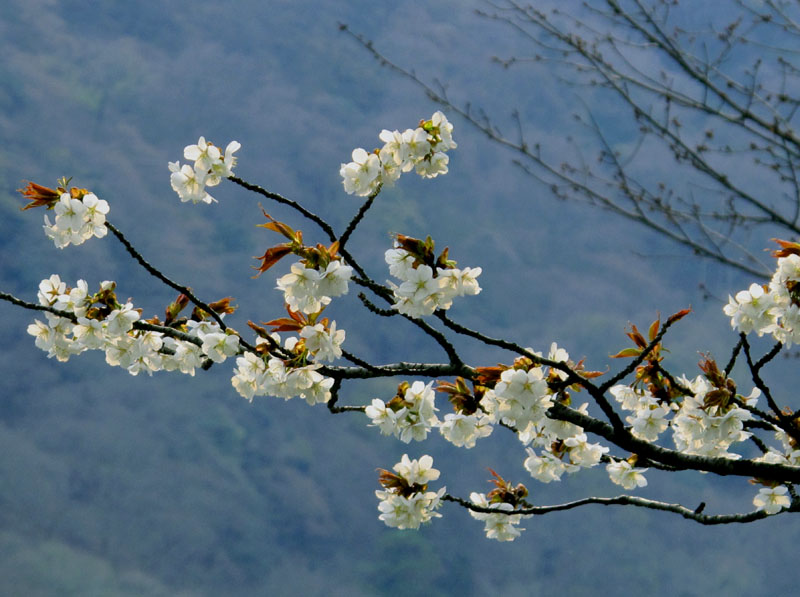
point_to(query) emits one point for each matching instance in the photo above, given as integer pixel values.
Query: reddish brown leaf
(636, 336)
(39, 196)
(591, 374)
(787, 248)
(272, 256)
(223, 306)
(679, 315)
(262, 332)
(279, 227)
(284, 324)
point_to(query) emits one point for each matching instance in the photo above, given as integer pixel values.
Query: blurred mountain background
(172, 485)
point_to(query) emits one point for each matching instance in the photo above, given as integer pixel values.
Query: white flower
(433, 166)
(333, 280)
(209, 168)
(362, 175)
(419, 294)
(223, 167)
(439, 120)
(301, 289)
(408, 512)
(546, 467)
(189, 183)
(622, 473)
(414, 420)
(648, 423)
(75, 300)
(520, 397)
(325, 345)
(631, 398)
(50, 289)
(146, 356)
(708, 431)
(562, 429)
(319, 391)
(788, 270)
(558, 355)
(401, 152)
(461, 282)
(60, 237)
(122, 351)
(582, 453)
(421, 416)
(788, 330)
(204, 327)
(229, 159)
(70, 214)
(90, 333)
(77, 220)
(464, 430)
(752, 310)
(53, 337)
(187, 357)
(418, 144)
(120, 321)
(383, 417)
(219, 346)
(772, 499)
(249, 372)
(396, 150)
(96, 211)
(203, 154)
(45, 337)
(400, 262)
(418, 472)
(501, 527)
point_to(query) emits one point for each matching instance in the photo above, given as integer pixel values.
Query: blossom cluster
(103, 324)
(410, 415)
(324, 342)
(521, 399)
(210, 166)
(79, 217)
(257, 375)
(463, 430)
(562, 454)
(425, 288)
(421, 149)
(772, 310)
(698, 427)
(308, 290)
(622, 472)
(405, 503)
(501, 527)
(772, 499)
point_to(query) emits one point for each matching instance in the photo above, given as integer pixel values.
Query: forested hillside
(169, 485)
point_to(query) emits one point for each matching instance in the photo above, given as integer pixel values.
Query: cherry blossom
(772, 499)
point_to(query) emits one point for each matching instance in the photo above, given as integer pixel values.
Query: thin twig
(621, 500)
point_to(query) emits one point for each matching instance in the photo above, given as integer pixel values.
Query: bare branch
(621, 500)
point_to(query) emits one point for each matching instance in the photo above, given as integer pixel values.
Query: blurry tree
(715, 86)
